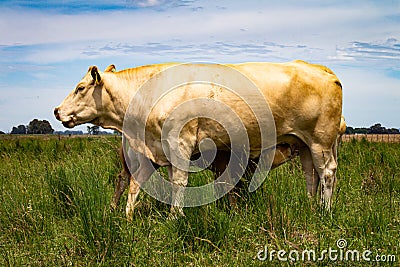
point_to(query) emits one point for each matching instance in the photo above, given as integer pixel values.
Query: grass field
(54, 211)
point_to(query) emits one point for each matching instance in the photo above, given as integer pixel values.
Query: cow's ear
(95, 74)
(110, 68)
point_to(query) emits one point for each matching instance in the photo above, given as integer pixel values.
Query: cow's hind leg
(179, 181)
(325, 164)
(312, 177)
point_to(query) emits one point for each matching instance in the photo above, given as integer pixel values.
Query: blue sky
(47, 46)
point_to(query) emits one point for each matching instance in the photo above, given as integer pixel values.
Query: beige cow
(305, 100)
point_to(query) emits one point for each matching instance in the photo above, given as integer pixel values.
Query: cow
(305, 100)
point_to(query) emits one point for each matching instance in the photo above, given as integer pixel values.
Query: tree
(349, 130)
(40, 127)
(362, 130)
(377, 129)
(21, 129)
(93, 130)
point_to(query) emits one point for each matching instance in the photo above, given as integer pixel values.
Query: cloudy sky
(47, 46)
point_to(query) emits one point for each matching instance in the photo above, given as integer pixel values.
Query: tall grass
(55, 196)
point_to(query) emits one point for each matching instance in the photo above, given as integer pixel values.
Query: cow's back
(301, 96)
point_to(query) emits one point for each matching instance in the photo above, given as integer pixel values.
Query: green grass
(55, 195)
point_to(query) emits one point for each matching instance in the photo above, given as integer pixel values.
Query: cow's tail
(342, 130)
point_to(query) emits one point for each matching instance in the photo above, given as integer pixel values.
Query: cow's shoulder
(146, 69)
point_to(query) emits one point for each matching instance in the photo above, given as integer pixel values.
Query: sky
(46, 47)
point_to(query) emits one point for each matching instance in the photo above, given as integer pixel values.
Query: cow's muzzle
(57, 113)
(70, 123)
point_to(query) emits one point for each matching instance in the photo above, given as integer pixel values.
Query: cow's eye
(79, 89)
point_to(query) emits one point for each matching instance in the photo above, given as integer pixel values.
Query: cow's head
(85, 104)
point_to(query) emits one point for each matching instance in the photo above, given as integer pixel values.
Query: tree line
(374, 129)
(34, 127)
(44, 127)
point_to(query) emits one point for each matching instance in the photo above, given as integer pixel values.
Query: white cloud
(146, 3)
(318, 27)
(270, 24)
(381, 50)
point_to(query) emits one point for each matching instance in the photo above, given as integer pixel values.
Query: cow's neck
(121, 87)
(118, 95)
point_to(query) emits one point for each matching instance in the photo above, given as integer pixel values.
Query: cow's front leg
(123, 177)
(133, 193)
(142, 174)
(178, 149)
(122, 183)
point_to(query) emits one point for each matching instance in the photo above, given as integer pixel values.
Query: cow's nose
(56, 113)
